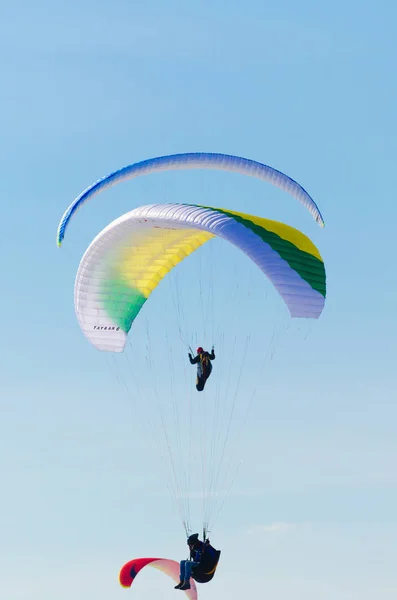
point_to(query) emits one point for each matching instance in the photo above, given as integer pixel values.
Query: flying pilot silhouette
(204, 367)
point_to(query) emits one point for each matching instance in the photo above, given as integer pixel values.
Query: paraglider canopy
(170, 567)
(194, 160)
(128, 259)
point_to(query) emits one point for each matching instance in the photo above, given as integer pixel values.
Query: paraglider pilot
(196, 550)
(204, 366)
(202, 557)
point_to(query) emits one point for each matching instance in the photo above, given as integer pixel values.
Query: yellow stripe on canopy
(286, 232)
(159, 250)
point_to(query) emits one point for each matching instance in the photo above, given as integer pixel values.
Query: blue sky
(306, 87)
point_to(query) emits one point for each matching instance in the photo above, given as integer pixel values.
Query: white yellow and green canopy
(129, 258)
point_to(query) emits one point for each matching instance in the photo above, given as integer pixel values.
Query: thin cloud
(277, 527)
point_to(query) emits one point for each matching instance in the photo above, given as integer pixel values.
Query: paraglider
(120, 270)
(194, 160)
(204, 366)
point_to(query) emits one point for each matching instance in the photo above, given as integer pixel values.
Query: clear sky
(307, 87)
